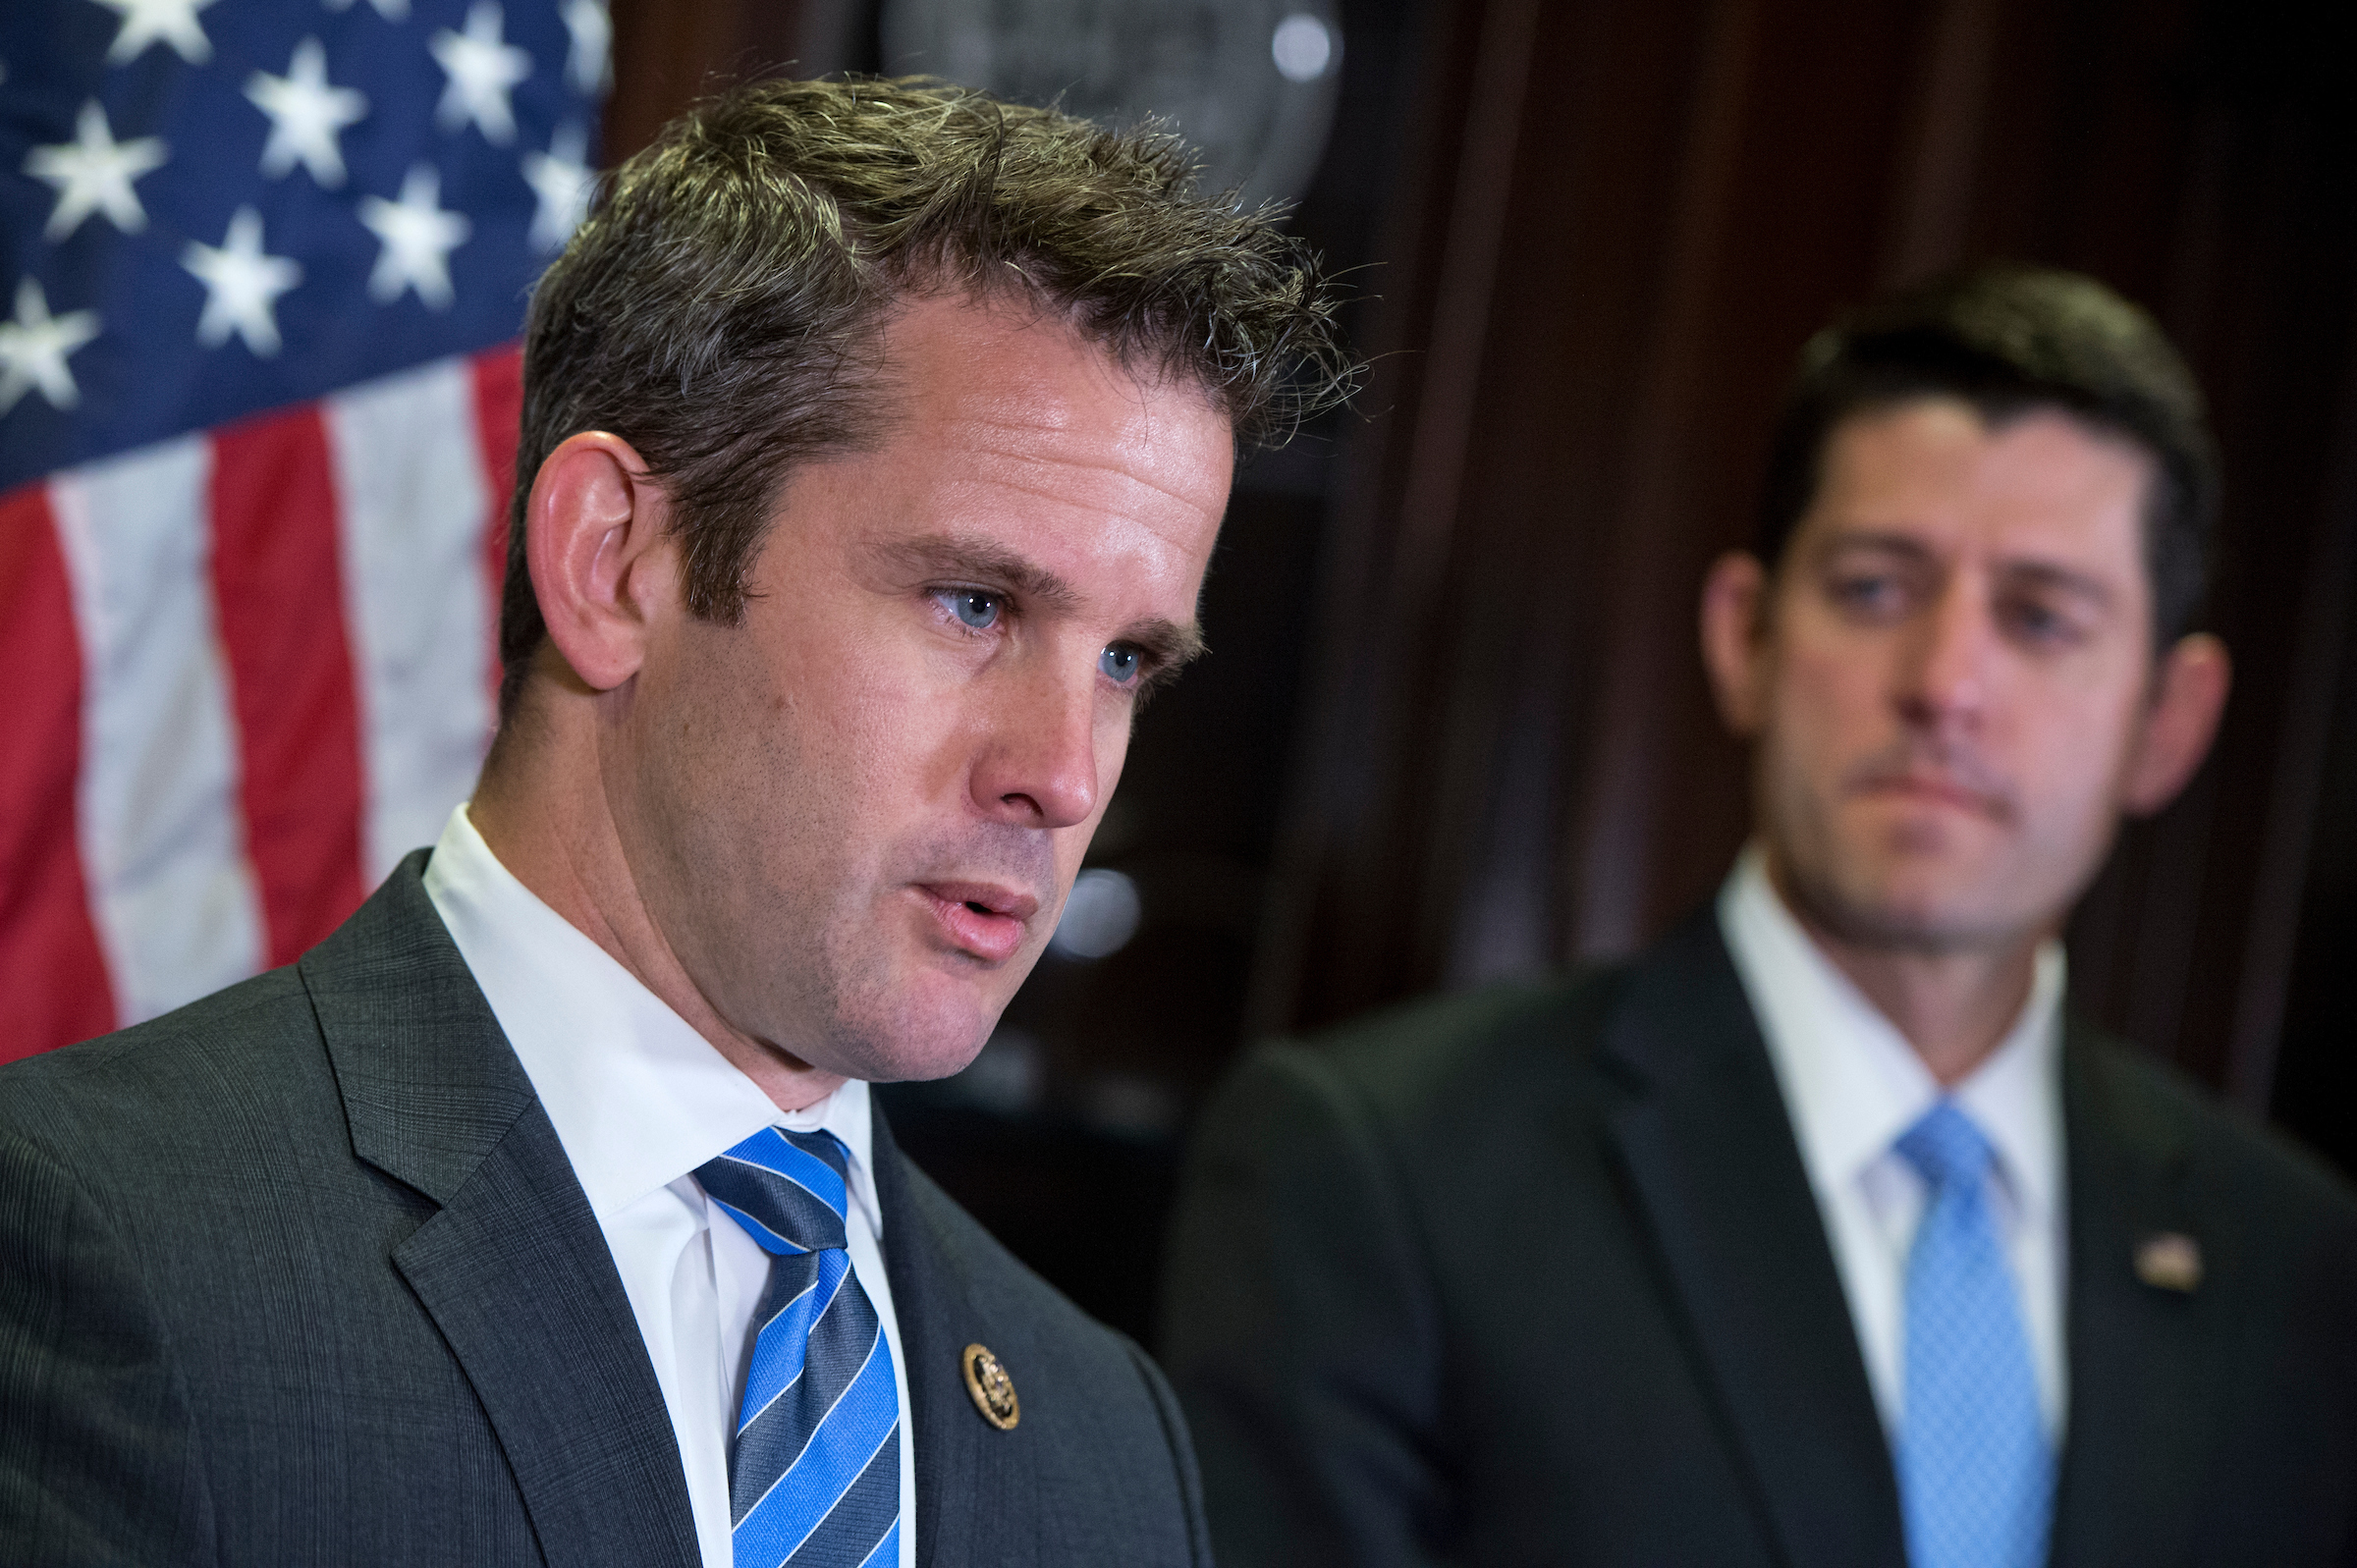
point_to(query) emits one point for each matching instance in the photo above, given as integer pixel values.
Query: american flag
(264, 268)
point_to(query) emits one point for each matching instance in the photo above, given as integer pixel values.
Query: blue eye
(972, 607)
(1119, 664)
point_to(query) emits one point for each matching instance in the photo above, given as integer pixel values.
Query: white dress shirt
(639, 1099)
(1853, 1085)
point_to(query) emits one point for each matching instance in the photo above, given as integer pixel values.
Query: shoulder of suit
(242, 1046)
(1459, 1052)
(224, 1046)
(2263, 1171)
(177, 1115)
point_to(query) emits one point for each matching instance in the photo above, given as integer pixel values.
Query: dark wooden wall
(668, 53)
(1622, 220)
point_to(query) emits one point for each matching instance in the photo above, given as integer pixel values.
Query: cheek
(1828, 706)
(866, 710)
(1113, 733)
(2072, 753)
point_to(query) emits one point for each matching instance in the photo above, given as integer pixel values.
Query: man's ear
(596, 542)
(2189, 693)
(1734, 598)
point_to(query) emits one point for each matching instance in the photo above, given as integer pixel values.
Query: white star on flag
(93, 173)
(147, 22)
(390, 10)
(306, 115)
(482, 71)
(588, 66)
(560, 179)
(34, 346)
(417, 236)
(241, 285)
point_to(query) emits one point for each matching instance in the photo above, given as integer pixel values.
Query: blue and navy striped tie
(1976, 1477)
(814, 1474)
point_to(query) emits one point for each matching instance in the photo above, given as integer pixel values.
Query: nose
(1944, 675)
(1037, 766)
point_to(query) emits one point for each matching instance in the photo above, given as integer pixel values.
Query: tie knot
(787, 1189)
(1946, 1147)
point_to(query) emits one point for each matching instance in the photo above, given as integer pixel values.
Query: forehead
(1933, 472)
(1002, 393)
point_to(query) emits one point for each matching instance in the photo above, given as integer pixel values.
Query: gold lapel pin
(2169, 1260)
(992, 1389)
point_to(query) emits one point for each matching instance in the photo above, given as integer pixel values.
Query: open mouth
(983, 921)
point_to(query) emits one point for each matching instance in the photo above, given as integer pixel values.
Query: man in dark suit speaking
(875, 440)
(1821, 1234)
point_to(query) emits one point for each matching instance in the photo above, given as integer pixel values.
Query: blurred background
(1453, 728)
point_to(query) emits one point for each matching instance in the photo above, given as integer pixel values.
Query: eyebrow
(2062, 577)
(988, 563)
(2047, 572)
(1896, 544)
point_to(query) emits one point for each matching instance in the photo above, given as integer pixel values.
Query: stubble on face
(854, 817)
(1968, 873)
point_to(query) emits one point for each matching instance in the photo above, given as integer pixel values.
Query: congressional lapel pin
(2169, 1260)
(992, 1389)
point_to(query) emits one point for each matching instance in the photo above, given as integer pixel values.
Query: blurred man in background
(1822, 1233)
(875, 440)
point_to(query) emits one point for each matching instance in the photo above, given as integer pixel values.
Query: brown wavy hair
(721, 307)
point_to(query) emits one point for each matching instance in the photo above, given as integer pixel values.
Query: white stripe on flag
(162, 837)
(412, 499)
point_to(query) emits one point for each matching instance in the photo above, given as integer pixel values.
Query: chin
(1907, 908)
(933, 1037)
(1919, 872)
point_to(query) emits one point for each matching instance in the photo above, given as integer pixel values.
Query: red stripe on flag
(281, 598)
(52, 971)
(498, 415)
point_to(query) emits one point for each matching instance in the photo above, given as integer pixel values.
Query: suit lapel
(938, 1319)
(2138, 1417)
(512, 1269)
(1717, 1177)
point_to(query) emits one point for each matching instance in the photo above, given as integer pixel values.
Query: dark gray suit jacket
(301, 1274)
(1536, 1275)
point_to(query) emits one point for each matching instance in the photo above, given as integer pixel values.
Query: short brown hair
(2009, 339)
(720, 307)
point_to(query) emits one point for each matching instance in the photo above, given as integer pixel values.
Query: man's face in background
(1950, 679)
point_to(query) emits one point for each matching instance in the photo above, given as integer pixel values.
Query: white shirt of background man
(639, 1099)
(1853, 1085)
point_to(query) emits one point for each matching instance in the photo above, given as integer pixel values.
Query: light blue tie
(814, 1473)
(1976, 1478)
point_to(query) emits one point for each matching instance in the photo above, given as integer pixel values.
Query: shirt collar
(638, 1099)
(1849, 1078)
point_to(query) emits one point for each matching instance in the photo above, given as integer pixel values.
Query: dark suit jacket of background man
(1536, 1275)
(301, 1274)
